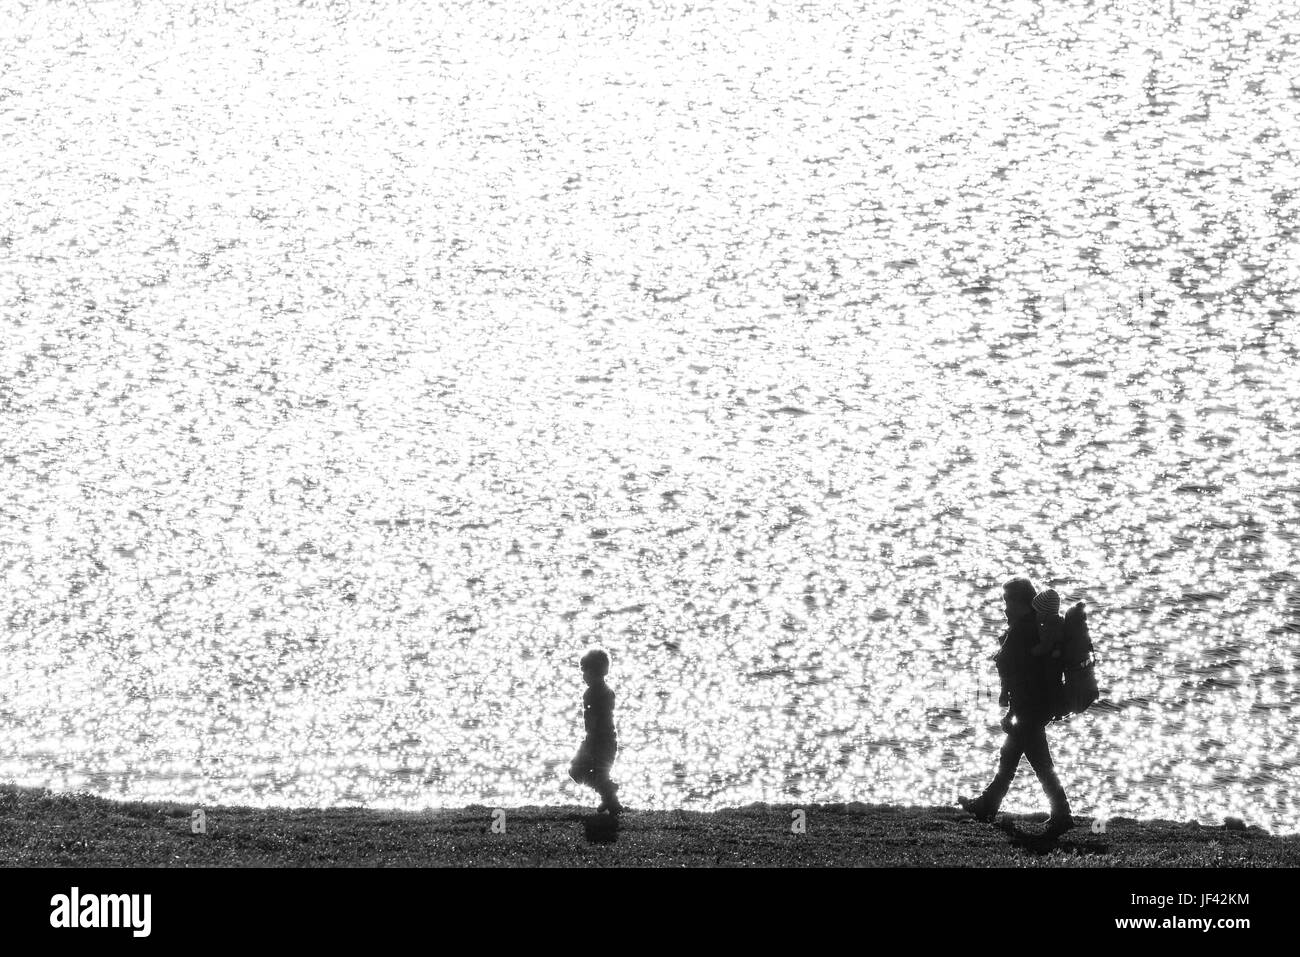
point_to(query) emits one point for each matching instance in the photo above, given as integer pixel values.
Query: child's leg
(605, 787)
(608, 792)
(582, 767)
(582, 772)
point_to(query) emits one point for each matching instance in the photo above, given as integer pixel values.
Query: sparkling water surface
(362, 364)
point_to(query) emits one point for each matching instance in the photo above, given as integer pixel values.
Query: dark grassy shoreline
(43, 829)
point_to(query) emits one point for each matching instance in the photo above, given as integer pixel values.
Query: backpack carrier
(1077, 662)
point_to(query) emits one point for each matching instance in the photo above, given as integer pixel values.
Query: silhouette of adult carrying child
(595, 755)
(1033, 689)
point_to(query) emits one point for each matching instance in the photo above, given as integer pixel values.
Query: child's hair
(596, 661)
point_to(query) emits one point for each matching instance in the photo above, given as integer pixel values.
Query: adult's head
(1018, 595)
(595, 663)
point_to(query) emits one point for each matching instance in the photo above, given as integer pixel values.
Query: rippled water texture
(362, 365)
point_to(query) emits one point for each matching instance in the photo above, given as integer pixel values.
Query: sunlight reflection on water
(363, 365)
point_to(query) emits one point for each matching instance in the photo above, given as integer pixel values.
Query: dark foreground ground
(39, 828)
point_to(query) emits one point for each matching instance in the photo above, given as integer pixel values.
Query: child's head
(595, 664)
(1047, 603)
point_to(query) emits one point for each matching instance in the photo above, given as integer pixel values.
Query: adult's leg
(1034, 740)
(600, 780)
(1008, 760)
(608, 792)
(581, 770)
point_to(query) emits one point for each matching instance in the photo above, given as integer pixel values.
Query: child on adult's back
(1050, 647)
(595, 755)
(1051, 626)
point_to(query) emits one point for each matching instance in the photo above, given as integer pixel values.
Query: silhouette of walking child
(596, 753)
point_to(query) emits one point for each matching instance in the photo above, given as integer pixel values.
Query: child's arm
(1049, 637)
